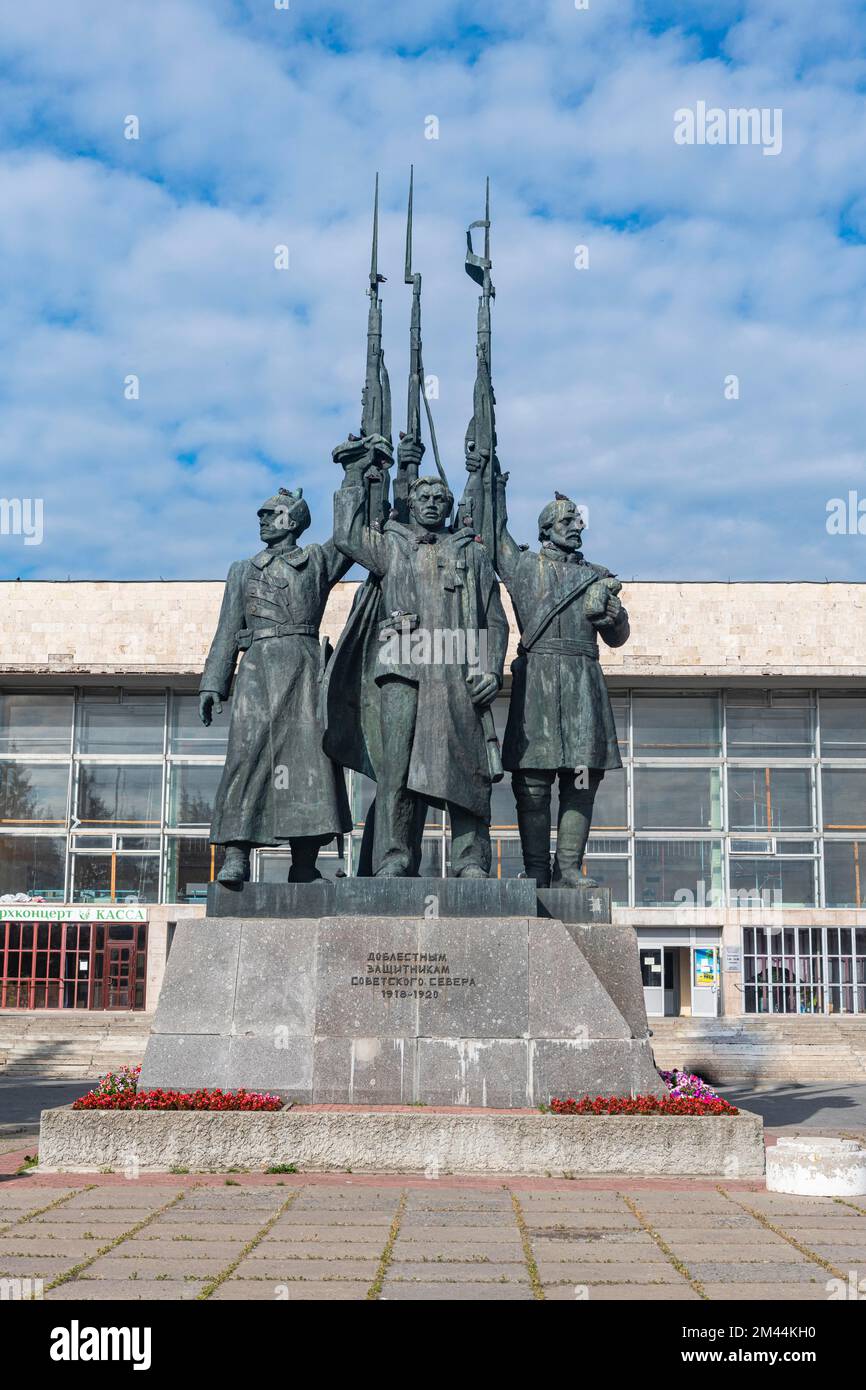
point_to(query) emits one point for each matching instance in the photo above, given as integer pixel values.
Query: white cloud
(155, 257)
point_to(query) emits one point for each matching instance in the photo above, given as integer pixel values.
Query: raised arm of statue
(356, 540)
(497, 632)
(507, 550)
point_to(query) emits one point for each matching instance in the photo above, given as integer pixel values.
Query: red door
(121, 959)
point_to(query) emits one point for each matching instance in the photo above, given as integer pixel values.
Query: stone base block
(441, 1010)
(377, 897)
(432, 1142)
(817, 1167)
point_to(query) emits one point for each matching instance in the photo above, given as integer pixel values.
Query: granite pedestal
(495, 1007)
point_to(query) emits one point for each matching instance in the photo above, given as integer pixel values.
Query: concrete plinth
(381, 897)
(817, 1167)
(432, 1142)
(500, 1011)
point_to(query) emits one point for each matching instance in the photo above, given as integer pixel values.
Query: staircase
(61, 1042)
(722, 1050)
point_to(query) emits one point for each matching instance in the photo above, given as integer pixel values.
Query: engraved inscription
(411, 974)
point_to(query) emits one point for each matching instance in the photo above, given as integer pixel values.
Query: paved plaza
(347, 1236)
(297, 1236)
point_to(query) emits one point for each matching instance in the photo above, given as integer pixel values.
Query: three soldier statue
(406, 696)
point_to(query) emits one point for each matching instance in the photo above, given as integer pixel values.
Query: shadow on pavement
(790, 1105)
(23, 1098)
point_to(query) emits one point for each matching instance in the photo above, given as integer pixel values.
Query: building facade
(733, 840)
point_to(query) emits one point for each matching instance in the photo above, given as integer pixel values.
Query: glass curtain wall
(737, 796)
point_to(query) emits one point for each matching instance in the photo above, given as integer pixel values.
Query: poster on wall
(706, 962)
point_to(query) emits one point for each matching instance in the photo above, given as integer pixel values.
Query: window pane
(191, 864)
(503, 812)
(676, 726)
(189, 735)
(33, 864)
(783, 728)
(113, 724)
(192, 791)
(843, 727)
(35, 723)
(677, 798)
(619, 705)
(770, 798)
(664, 868)
(33, 792)
(775, 881)
(507, 858)
(845, 873)
(274, 865)
(135, 878)
(111, 793)
(610, 810)
(612, 874)
(844, 795)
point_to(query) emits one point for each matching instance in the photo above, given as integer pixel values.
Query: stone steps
(791, 1049)
(65, 1043)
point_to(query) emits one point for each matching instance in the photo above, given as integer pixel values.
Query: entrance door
(660, 970)
(120, 975)
(652, 973)
(705, 981)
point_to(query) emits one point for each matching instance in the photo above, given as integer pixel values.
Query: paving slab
(35, 1266)
(36, 1246)
(613, 1271)
(14, 1199)
(843, 1256)
(758, 1252)
(472, 1271)
(260, 1266)
(348, 1234)
(263, 1291)
(455, 1293)
(504, 1234)
(117, 1265)
(797, 1270)
(582, 1221)
(126, 1290)
(625, 1293)
(152, 1248)
(767, 1293)
(285, 1251)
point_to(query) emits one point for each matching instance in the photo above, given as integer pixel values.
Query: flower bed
(685, 1085)
(119, 1091)
(642, 1105)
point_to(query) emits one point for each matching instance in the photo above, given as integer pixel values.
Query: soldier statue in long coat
(560, 721)
(417, 667)
(277, 786)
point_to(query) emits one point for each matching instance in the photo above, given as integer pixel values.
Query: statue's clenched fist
(483, 685)
(602, 605)
(209, 703)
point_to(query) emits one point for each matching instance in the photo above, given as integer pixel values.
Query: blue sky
(259, 126)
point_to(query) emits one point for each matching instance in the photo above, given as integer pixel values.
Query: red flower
(178, 1100)
(642, 1105)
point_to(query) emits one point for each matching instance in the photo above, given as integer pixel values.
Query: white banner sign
(44, 912)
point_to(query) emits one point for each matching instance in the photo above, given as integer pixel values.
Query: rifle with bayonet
(406, 473)
(478, 505)
(374, 447)
(479, 499)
